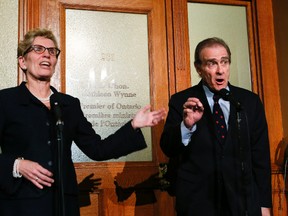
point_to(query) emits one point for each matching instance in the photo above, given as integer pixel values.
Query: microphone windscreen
(55, 106)
(225, 94)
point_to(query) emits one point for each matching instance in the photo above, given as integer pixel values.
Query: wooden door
(125, 187)
(263, 62)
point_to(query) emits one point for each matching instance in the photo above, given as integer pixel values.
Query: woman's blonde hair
(29, 37)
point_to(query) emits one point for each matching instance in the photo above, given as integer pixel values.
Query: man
(221, 171)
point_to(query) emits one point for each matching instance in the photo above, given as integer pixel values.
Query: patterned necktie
(219, 119)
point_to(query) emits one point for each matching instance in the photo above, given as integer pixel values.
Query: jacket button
(50, 163)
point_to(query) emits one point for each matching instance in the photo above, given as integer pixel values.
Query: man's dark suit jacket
(204, 165)
(27, 129)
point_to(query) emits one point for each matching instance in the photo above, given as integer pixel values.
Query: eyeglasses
(53, 51)
(211, 64)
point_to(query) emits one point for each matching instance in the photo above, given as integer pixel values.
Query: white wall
(9, 42)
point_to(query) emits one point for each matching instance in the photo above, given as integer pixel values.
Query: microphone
(227, 95)
(55, 106)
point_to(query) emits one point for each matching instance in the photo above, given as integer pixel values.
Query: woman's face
(215, 67)
(39, 66)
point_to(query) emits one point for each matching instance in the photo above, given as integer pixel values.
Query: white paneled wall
(8, 43)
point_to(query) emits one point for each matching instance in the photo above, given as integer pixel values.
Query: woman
(28, 137)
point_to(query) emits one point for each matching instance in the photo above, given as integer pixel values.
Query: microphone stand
(227, 95)
(59, 195)
(241, 156)
(61, 203)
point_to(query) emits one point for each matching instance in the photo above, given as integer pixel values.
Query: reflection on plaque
(107, 68)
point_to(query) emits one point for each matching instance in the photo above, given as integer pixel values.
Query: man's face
(215, 67)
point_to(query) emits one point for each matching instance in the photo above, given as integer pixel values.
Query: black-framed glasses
(53, 51)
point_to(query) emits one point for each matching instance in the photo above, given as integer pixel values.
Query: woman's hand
(35, 173)
(144, 118)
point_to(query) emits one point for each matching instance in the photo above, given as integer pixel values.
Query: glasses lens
(52, 51)
(39, 49)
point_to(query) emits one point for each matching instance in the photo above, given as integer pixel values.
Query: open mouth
(45, 64)
(220, 81)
